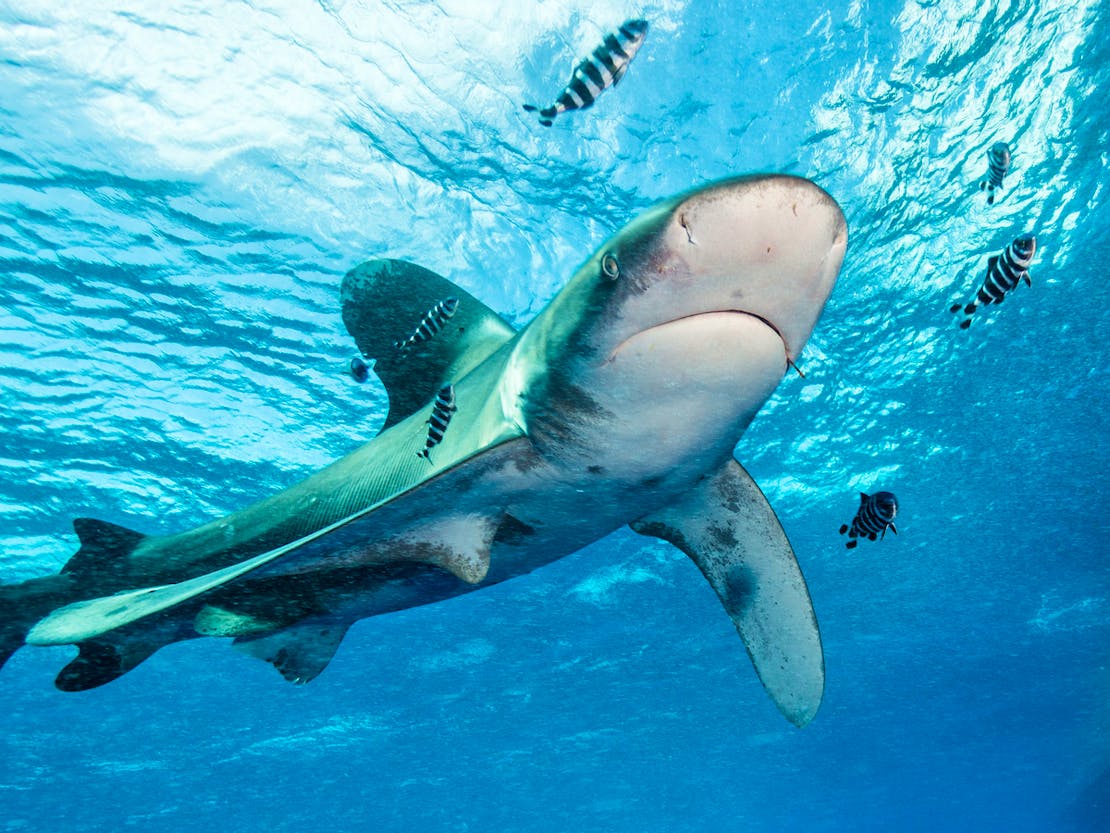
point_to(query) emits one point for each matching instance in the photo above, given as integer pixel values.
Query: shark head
(691, 312)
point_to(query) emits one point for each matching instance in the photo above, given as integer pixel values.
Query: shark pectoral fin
(385, 300)
(730, 531)
(300, 652)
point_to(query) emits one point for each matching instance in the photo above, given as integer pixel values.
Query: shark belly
(583, 471)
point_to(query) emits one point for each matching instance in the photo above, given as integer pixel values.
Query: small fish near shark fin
(730, 531)
(384, 300)
(299, 652)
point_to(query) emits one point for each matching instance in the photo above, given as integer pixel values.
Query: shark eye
(610, 267)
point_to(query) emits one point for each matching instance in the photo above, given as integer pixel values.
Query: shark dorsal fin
(300, 652)
(103, 544)
(384, 301)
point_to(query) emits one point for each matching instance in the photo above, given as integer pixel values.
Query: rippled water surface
(182, 187)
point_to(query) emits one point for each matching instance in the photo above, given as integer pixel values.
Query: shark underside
(620, 404)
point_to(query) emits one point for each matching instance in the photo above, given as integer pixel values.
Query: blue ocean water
(181, 191)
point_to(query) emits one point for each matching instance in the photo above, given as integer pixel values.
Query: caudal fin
(547, 114)
(22, 605)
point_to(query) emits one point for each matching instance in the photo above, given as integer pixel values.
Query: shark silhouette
(619, 404)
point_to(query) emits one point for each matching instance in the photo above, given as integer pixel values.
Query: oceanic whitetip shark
(619, 404)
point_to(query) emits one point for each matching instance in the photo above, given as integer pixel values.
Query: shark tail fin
(22, 605)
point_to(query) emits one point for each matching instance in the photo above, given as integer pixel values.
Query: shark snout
(768, 246)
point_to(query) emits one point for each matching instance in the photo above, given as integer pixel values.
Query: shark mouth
(706, 314)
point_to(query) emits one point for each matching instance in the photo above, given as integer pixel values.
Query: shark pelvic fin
(386, 300)
(300, 652)
(730, 531)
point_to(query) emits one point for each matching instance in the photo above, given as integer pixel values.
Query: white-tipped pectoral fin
(729, 530)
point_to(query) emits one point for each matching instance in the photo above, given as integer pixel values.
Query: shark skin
(619, 404)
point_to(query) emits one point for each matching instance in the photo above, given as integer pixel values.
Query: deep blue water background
(180, 194)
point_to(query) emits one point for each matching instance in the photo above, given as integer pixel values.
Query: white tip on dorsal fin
(300, 652)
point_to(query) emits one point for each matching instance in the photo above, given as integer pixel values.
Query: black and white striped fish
(1004, 272)
(605, 66)
(430, 324)
(998, 162)
(442, 411)
(875, 515)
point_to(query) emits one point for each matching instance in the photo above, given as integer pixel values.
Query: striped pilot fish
(359, 369)
(430, 324)
(875, 515)
(604, 67)
(998, 162)
(1004, 272)
(442, 411)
